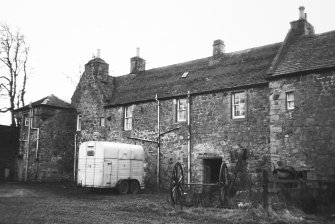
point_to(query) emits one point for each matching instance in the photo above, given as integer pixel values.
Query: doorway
(212, 170)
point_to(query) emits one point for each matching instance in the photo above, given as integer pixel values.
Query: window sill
(239, 119)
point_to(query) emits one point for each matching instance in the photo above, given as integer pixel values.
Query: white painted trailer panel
(102, 164)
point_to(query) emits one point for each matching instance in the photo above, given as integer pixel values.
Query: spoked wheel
(123, 187)
(176, 184)
(223, 184)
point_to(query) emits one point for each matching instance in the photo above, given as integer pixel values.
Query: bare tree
(13, 69)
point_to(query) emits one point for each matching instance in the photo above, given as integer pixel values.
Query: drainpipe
(188, 139)
(75, 158)
(159, 146)
(28, 140)
(37, 141)
(37, 150)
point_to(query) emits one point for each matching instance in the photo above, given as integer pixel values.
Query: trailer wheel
(134, 187)
(123, 187)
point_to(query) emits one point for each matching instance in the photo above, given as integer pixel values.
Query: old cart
(225, 183)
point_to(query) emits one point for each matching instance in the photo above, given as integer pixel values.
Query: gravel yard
(47, 203)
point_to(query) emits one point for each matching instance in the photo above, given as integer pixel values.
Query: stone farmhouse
(276, 101)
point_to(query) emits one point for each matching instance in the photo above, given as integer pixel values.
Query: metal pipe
(36, 153)
(188, 139)
(28, 140)
(158, 140)
(75, 158)
(37, 142)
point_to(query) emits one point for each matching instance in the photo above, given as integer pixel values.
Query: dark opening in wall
(212, 170)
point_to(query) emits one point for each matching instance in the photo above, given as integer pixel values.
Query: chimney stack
(301, 26)
(218, 48)
(137, 64)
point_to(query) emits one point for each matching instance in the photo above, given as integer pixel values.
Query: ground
(64, 203)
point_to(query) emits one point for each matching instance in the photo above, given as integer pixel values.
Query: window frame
(288, 101)
(179, 110)
(25, 120)
(102, 122)
(79, 119)
(128, 118)
(233, 105)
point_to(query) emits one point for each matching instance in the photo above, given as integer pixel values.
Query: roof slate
(50, 100)
(304, 53)
(231, 70)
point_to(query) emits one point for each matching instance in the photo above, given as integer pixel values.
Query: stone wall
(214, 134)
(304, 137)
(51, 152)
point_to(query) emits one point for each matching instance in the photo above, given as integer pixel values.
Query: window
(128, 117)
(102, 122)
(25, 120)
(90, 153)
(238, 105)
(78, 122)
(290, 100)
(184, 75)
(181, 110)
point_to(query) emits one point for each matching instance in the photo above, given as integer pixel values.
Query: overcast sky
(64, 34)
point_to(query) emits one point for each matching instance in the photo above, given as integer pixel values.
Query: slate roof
(231, 70)
(51, 101)
(305, 53)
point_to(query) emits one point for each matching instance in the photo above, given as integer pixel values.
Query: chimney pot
(98, 53)
(137, 52)
(302, 12)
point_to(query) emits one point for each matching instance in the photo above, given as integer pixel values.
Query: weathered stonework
(304, 137)
(55, 144)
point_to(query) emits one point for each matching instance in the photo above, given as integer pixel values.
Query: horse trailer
(110, 165)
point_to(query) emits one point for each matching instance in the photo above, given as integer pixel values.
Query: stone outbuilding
(47, 129)
(277, 101)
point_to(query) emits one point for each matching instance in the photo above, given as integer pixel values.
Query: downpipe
(158, 141)
(75, 159)
(188, 138)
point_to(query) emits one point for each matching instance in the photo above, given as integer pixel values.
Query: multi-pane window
(290, 100)
(239, 104)
(128, 117)
(181, 110)
(78, 122)
(102, 122)
(25, 120)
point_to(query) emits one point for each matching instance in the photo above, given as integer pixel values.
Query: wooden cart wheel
(134, 187)
(177, 180)
(223, 183)
(123, 187)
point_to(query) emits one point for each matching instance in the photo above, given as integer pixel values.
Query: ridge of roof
(205, 59)
(50, 100)
(230, 70)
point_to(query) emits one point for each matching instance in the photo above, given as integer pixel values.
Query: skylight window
(185, 74)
